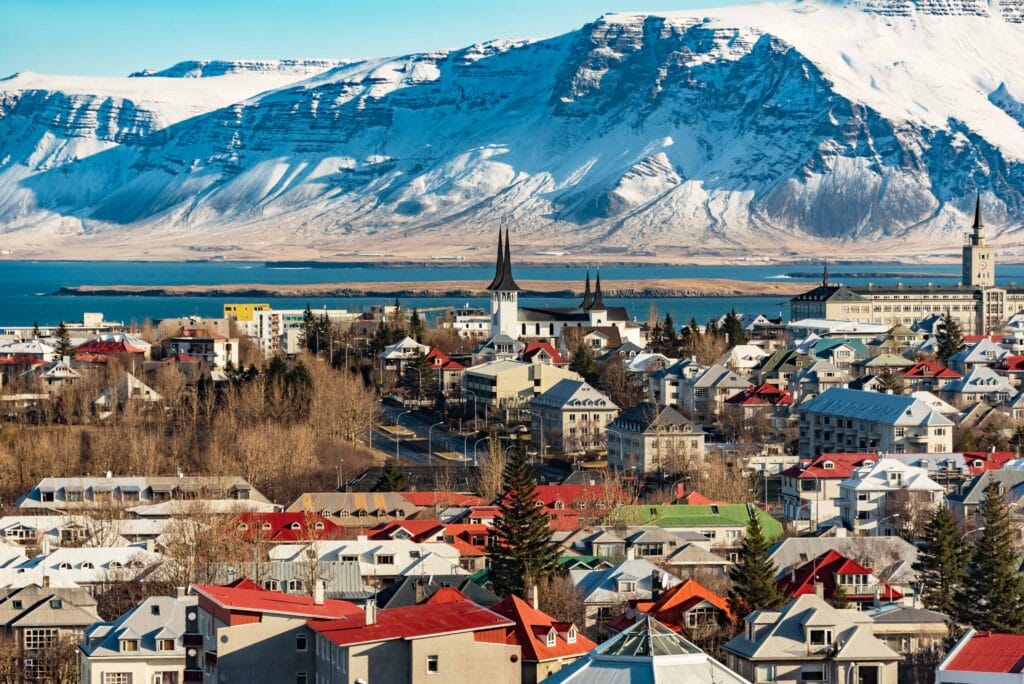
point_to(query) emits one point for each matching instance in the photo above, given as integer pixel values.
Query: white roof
(93, 564)
(831, 326)
(876, 477)
(430, 558)
(574, 394)
(742, 356)
(981, 380)
(34, 347)
(875, 407)
(934, 403)
(602, 585)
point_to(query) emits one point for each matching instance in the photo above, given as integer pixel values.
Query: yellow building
(244, 313)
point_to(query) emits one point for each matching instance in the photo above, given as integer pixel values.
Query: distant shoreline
(651, 289)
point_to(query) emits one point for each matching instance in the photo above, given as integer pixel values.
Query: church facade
(510, 319)
(979, 305)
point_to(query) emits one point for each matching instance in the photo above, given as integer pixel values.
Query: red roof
(287, 527)
(930, 369)
(987, 652)
(91, 358)
(991, 460)
(410, 622)
(532, 628)
(671, 608)
(244, 582)
(842, 466)
(438, 359)
(763, 395)
(1012, 363)
(102, 347)
(580, 496)
(276, 602)
(446, 595)
(534, 348)
(972, 339)
(824, 569)
(425, 499)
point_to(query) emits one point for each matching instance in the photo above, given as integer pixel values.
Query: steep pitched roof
(532, 628)
(888, 409)
(825, 569)
(930, 369)
(503, 280)
(762, 395)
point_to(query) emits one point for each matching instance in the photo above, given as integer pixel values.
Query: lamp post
(475, 445)
(397, 434)
(430, 443)
(475, 426)
(618, 436)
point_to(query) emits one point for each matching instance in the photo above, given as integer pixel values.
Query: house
(664, 384)
(928, 376)
(810, 490)
(595, 499)
(125, 390)
(470, 540)
(447, 372)
(411, 591)
(953, 470)
(595, 337)
(777, 368)
(53, 375)
(808, 640)
(603, 590)
(965, 503)
(983, 658)
(505, 384)
(647, 652)
(908, 629)
(704, 396)
(452, 641)
(356, 509)
(90, 566)
(883, 497)
(742, 358)
(207, 345)
(846, 420)
(397, 356)
(468, 322)
(243, 633)
(45, 623)
(936, 404)
(876, 365)
(571, 417)
(146, 644)
(69, 493)
(841, 353)
(723, 524)
(27, 351)
(631, 541)
(684, 608)
(279, 527)
(129, 350)
(539, 351)
(547, 644)
(753, 400)
(983, 353)
(340, 579)
(818, 377)
(1012, 366)
(980, 384)
(648, 438)
(833, 570)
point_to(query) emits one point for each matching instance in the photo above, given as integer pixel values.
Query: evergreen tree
(583, 362)
(671, 335)
(521, 552)
(888, 381)
(950, 338)
(416, 326)
(941, 563)
(656, 338)
(36, 333)
(753, 577)
(392, 479)
(310, 331)
(992, 597)
(733, 329)
(64, 346)
(840, 599)
(419, 378)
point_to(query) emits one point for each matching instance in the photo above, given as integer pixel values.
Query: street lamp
(430, 443)
(398, 435)
(476, 444)
(475, 426)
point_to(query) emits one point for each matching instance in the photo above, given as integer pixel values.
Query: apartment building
(877, 498)
(571, 417)
(650, 438)
(507, 384)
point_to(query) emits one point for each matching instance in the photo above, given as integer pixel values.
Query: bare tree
(561, 599)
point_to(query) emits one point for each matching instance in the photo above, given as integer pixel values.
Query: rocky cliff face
(761, 128)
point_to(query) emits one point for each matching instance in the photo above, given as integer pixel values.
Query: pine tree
(950, 338)
(521, 552)
(888, 381)
(753, 577)
(840, 599)
(36, 332)
(419, 378)
(670, 334)
(64, 346)
(992, 597)
(941, 564)
(310, 330)
(416, 327)
(583, 362)
(733, 329)
(392, 479)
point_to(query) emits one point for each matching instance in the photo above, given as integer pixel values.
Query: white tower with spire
(979, 263)
(504, 293)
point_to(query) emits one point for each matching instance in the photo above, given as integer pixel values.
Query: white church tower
(504, 293)
(979, 263)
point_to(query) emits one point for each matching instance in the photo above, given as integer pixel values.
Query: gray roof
(894, 613)
(35, 606)
(889, 409)
(884, 554)
(647, 416)
(720, 376)
(341, 579)
(973, 492)
(574, 394)
(404, 591)
(157, 617)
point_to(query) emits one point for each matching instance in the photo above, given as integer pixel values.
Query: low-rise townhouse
(604, 590)
(980, 384)
(664, 384)
(878, 499)
(684, 608)
(703, 397)
(357, 509)
(146, 644)
(846, 420)
(810, 490)
(548, 645)
(928, 376)
(808, 640)
(983, 353)
(68, 493)
(340, 580)
(91, 566)
(411, 591)
(834, 571)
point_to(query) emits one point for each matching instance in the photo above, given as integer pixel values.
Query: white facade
(867, 499)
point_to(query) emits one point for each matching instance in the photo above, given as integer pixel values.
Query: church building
(510, 319)
(979, 305)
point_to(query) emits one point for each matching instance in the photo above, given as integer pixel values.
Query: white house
(876, 497)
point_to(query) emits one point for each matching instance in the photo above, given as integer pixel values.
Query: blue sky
(115, 37)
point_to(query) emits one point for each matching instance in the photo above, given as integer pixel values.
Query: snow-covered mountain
(766, 128)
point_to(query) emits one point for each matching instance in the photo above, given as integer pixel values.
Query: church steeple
(588, 299)
(978, 229)
(503, 280)
(979, 263)
(824, 274)
(497, 263)
(598, 302)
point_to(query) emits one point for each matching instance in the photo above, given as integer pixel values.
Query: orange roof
(532, 627)
(929, 369)
(534, 348)
(446, 595)
(275, 602)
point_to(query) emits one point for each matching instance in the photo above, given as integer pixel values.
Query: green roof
(722, 515)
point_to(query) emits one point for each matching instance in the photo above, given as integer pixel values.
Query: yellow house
(244, 313)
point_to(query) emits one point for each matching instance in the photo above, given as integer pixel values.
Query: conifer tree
(416, 327)
(950, 338)
(992, 597)
(521, 552)
(64, 346)
(583, 362)
(888, 381)
(840, 599)
(753, 577)
(733, 329)
(36, 332)
(392, 479)
(310, 330)
(670, 335)
(941, 563)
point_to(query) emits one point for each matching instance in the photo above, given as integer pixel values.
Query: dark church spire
(588, 299)
(503, 280)
(824, 273)
(598, 302)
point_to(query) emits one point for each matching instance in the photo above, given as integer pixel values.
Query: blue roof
(890, 409)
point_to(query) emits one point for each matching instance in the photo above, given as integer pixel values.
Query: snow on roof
(874, 407)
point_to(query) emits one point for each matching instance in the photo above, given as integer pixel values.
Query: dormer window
(627, 586)
(828, 465)
(129, 645)
(318, 526)
(325, 513)
(242, 527)
(295, 526)
(265, 526)
(570, 637)
(819, 637)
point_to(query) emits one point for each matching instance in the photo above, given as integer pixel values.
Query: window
(862, 496)
(165, 678)
(301, 678)
(294, 586)
(764, 673)
(56, 604)
(820, 637)
(433, 666)
(570, 636)
(165, 644)
(551, 638)
(703, 615)
(129, 645)
(154, 609)
(388, 559)
(117, 678)
(271, 585)
(16, 604)
(301, 642)
(814, 673)
(40, 637)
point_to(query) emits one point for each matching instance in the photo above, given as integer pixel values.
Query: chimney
(66, 360)
(420, 589)
(318, 593)
(109, 474)
(630, 553)
(370, 610)
(655, 585)
(45, 546)
(179, 592)
(819, 589)
(150, 546)
(46, 581)
(532, 597)
(680, 490)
